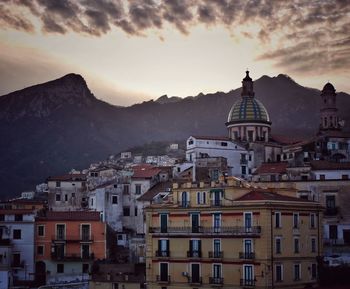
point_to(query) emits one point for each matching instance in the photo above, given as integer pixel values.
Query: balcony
(84, 238)
(160, 253)
(331, 211)
(195, 280)
(246, 255)
(18, 264)
(163, 279)
(216, 203)
(72, 257)
(216, 280)
(216, 254)
(194, 254)
(236, 230)
(247, 282)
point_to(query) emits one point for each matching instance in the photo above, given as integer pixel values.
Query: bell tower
(329, 112)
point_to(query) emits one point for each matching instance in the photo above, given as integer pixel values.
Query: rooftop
(326, 165)
(222, 138)
(68, 178)
(145, 171)
(69, 216)
(155, 190)
(272, 168)
(262, 195)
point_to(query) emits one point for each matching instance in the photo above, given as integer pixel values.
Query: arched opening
(184, 199)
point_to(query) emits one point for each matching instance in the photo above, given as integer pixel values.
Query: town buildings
(221, 234)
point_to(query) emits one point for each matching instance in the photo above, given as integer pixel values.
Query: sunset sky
(130, 51)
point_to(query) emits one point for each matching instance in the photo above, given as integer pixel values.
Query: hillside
(53, 127)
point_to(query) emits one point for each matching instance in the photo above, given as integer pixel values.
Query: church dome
(248, 109)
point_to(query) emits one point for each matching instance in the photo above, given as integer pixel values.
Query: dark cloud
(290, 31)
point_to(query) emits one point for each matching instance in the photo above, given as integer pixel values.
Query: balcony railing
(216, 280)
(194, 254)
(236, 230)
(216, 203)
(18, 264)
(163, 279)
(72, 257)
(195, 280)
(72, 238)
(247, 282)
(216, 254)
(160, 253)
(184, 204)
(246, 255)
(331, 211)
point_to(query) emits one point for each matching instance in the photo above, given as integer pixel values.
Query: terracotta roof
(69, 216)
(68, 178)
(223, 138)
(261, 195)
(158, 188)
(326, 165)
(272, 168)
(145, 171)
(16, 211)
(335, 133)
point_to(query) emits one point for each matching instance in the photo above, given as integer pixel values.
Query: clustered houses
(221, 234)
(246, 210)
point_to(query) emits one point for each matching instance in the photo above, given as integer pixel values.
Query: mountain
(53, 127)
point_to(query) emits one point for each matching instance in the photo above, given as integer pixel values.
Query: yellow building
(224, 235)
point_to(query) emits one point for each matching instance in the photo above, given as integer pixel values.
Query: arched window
(184, 199)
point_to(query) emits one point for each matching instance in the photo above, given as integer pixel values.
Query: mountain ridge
(53, 127)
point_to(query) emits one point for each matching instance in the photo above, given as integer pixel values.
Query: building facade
(233, 237)
(67, 243)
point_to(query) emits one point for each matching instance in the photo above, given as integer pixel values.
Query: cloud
(290, 31)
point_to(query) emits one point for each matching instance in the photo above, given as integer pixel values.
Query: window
(217, 272)
(2, 217)
(199, 198)
(248, 275)
(85, 232)
(313, 271)
(296, 272)
(138, 189)
(278, 245)
(135, 211)
(60, 232)
(163, 248)
(295, 220)
(279, 272)
(18, 217)
(91, 202)
(277, 219)
(17, 234)
(344, 177)
(195, 248)
(312, 221)
(313, 245)
(126, 211)
(163, 219)
(120, 237)
(114, 199)
(333, 232)
(116, 286)
(126, 189)
(66, 198)
(330, 202)
(40, 250)
(248, 220)
(322, 177)
(60, 268)
(85, 268)
(73, 195)
(224, 144)
(58, 184)
(217, 248)
(16, 259)
(190, 142)
(244, 170)
(296, 245)
(195, 273)
(58, 197)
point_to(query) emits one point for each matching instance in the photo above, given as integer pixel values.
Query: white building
(239, 160)
(325, 170)
(17, 244)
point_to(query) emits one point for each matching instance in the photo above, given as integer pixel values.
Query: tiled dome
(248, 109)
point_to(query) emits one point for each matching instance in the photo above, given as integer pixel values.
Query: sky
(133, 51)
